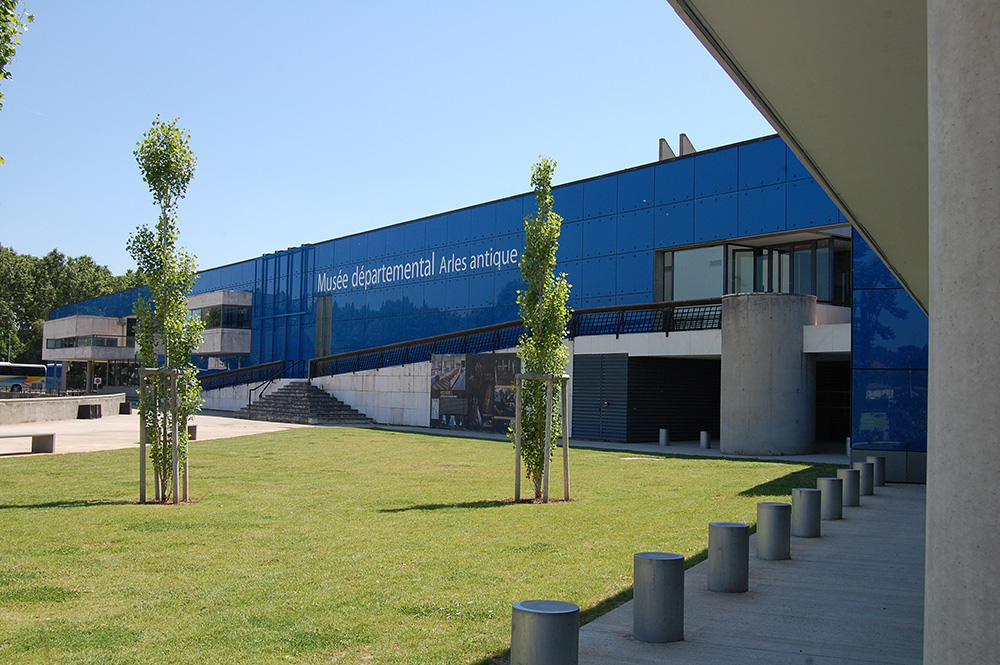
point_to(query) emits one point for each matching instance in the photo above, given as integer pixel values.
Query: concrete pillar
(878, 462)
(545, 631)
(806, 512)
(774, 531)
(961, 613)
(768, 399)
(866, 478)
(658, 610)
(90, 377)
(728, 557)
(852, 486)
(831, 498)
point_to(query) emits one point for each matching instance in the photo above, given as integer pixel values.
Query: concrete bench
(41, 442)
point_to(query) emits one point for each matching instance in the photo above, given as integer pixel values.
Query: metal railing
(244, 375)
(665, 317)
(259, 389)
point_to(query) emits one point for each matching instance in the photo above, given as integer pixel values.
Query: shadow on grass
(785, 484)
(595, 612)
(445, 506)
(65, 504)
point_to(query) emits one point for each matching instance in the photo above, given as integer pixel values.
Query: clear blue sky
(314, 120)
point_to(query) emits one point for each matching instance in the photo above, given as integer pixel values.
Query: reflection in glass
(698, 273)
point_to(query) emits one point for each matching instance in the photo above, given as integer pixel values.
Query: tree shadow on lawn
(445, 506)
(82, 503)
(785, 484)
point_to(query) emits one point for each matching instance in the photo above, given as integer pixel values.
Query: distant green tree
(545, 315)
(14, 20)
(14, 288)
(164, 326)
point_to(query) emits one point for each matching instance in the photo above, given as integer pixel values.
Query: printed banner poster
(473, 391)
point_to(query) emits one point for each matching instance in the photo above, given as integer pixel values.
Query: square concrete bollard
(728, 557)
(866, 481)
(806, 512)
(832, 498)
(774, 531)
(545, 631)
(852, 486)
(658, 610)
(879, 473)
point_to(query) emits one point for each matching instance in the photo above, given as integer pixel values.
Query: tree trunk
(536, 478)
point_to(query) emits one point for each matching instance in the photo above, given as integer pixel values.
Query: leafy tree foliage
(545, 315)
(164, 327)
(14, 20)
(30, 286)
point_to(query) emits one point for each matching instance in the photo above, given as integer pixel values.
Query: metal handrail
(280, 374)
(236, 377)
(705, 314)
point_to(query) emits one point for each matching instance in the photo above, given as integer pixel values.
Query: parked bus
(16, 377)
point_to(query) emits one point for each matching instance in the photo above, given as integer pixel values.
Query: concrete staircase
(303, 403)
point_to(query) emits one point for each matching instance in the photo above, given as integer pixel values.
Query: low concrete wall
(390, 396)
(41, 409)
(234, 398)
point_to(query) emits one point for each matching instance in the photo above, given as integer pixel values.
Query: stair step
(303, 403)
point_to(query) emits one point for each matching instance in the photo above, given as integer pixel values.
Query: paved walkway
(855, 595)
(116, 431)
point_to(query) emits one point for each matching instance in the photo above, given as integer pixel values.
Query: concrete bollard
(879, 472)
(832, 498)
(545, 631)
(774, 531)
(664, 437)
(805, 512)
(866, 484)
(852, 486)
(706, 441)
(658, 583)
(728, 557)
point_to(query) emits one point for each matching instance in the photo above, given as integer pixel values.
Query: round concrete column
(806, 512)
(768, 398)
(963, 458)
(878, 462)
(852, 486)
(728, 557)
(867, 478)
(545, 631)
(831, 498)
(774, 531)
(658, 610)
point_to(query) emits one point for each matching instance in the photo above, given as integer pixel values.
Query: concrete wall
(234, 398)
(768, 401)
(41, 409)
(961, 608)
(391, 395)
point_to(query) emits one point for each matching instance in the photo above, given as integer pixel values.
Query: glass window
(235, 316)
(741, 264)
(668, 276)
(802, 268)
(841, 272)
(824, 271)
(762, 280)
(698, 273)
(781, 271)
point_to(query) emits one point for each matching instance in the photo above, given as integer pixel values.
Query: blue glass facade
(458, 270)
(889, 339)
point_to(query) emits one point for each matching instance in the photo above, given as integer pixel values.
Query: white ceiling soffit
(845, 84)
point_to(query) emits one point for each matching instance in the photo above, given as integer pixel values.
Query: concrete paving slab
(117, 431)
(854, 595)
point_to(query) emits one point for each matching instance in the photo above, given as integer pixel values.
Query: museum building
(719, 290)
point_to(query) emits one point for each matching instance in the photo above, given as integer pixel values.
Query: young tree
(545, 315)
(13, 22)
(164, 326)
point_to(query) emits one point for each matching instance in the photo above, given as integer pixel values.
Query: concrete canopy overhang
(845, 85)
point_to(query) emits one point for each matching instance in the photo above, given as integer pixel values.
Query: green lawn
(336, 546)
